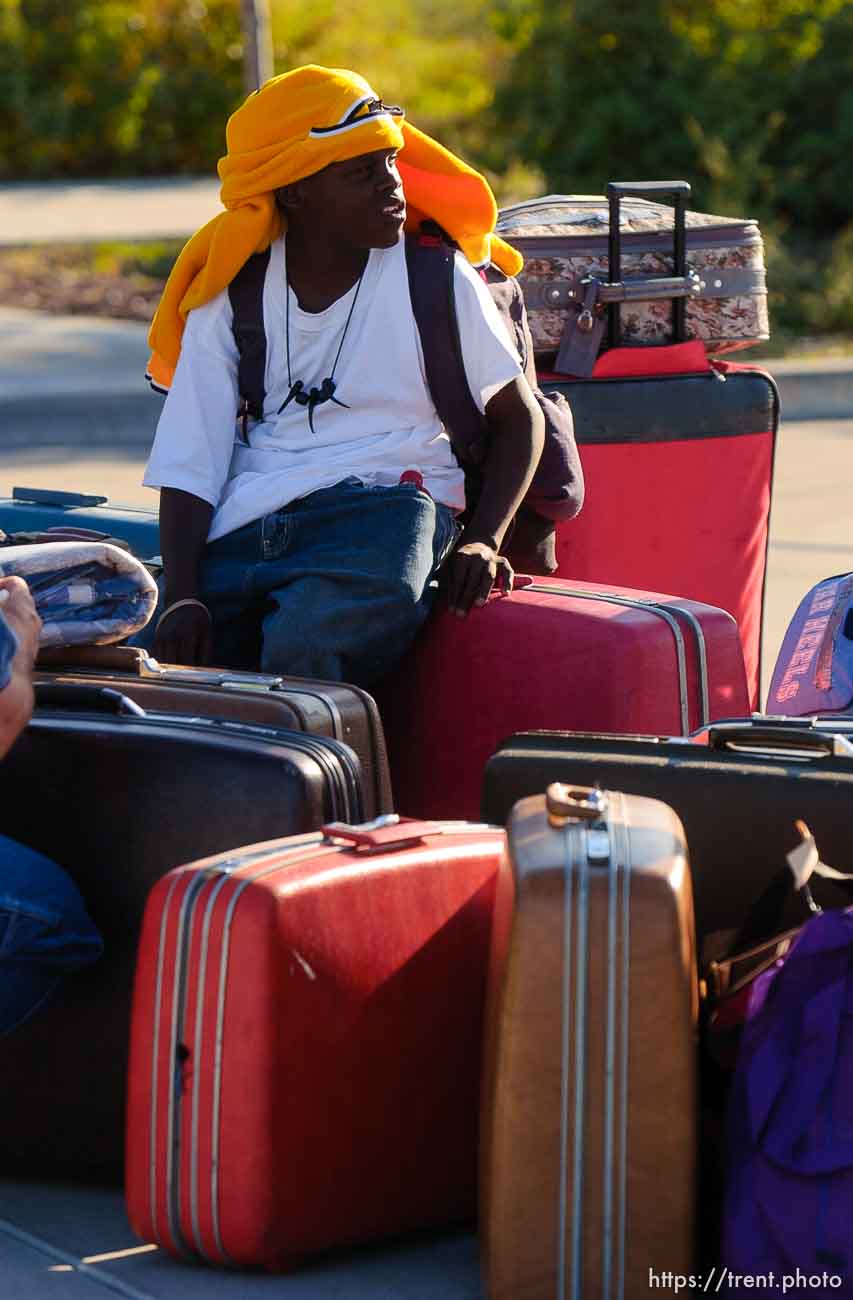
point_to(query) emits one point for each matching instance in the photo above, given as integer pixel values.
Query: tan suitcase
(588, 1151)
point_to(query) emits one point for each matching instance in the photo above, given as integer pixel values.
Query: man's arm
(516, 437)
(16, 697)
(184, 636)
(190, 463)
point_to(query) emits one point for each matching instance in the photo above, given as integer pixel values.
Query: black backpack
(556, 492)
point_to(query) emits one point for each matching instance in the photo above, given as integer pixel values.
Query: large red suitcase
(678, 460)
(559, 655)
(306, 1042)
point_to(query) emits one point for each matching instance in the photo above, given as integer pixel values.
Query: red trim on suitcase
(633, 363)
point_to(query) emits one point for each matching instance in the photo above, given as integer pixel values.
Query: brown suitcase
(332, 709)
(588, 1151)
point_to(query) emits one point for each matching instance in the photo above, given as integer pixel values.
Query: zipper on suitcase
(664, 611)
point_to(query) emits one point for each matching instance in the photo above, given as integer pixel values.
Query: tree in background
(115, 87)
(752, 100)
(135, 87)
(438, 58)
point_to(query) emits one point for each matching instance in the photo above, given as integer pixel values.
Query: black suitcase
(738, 788)
(119, 798)
(334, 709)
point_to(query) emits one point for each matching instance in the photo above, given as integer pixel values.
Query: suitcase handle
(85, 699)
(776, 738)
(382, 835)
(568, 803)
(680, 191)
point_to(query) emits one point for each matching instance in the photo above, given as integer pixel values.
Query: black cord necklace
(326, 392)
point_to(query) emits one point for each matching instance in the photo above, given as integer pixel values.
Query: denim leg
(45, 931)
(356, 581)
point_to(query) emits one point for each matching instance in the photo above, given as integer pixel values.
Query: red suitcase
(677, 450)
(306, 1042)
(559, 655)
(678, 458)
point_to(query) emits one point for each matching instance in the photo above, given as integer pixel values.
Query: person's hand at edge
(18, 608)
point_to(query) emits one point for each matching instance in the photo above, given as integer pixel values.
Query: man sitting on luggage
(45, 931)
(309, 539)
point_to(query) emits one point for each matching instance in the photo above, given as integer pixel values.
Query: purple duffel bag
(788, 1209)
(814, 670)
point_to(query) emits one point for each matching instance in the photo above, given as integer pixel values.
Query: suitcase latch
(566, 803)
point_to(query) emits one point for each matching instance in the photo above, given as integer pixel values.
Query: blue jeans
(334, 585)
(45, 931)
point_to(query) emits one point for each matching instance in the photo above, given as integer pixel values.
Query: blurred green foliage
(751, 100)
(115, 87)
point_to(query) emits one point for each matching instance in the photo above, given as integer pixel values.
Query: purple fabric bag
(789, 1199)
(814, 670)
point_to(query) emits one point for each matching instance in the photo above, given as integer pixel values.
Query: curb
(814, 391)
(84, 420)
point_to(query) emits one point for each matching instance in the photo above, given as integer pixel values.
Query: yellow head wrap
(294, 126)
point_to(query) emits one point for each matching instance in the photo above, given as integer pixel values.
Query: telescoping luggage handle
(584, 332)
(678, 287)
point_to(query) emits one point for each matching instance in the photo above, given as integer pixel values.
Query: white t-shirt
(389, 424)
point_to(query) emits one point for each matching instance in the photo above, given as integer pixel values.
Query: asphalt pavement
(51, 212)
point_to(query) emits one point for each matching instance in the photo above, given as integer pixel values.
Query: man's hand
(185, 636)
(472, 571)
(16, 700)
(19, 611)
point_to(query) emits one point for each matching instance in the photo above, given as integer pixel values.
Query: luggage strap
(246, 292)
(557, 295)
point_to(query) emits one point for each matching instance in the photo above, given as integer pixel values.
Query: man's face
(358, 202)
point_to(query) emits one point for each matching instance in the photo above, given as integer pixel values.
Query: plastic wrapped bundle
(87, 593)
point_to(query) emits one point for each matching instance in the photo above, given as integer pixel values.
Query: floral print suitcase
(565, 242)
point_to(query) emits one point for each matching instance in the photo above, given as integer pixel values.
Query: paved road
(52, 212)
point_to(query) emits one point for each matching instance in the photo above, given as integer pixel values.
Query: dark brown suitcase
(332, 709)
(589, 1140)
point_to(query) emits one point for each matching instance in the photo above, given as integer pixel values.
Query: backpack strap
(246, 292)
(429, 261)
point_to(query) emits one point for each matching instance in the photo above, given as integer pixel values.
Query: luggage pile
(536, 996)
